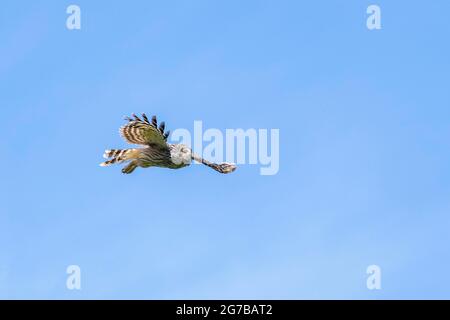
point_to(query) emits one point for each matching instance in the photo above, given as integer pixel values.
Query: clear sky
(364, 149)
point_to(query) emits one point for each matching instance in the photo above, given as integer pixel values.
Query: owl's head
(181, 154)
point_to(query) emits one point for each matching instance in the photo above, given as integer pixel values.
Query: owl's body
(168, 158)
(156, 151)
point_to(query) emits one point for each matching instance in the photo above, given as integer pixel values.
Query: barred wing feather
(143, 132)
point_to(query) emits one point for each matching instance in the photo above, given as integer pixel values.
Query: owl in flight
(156, 152)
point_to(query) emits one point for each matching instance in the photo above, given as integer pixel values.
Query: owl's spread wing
(144, 132)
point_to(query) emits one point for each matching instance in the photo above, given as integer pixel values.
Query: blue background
(364, 149)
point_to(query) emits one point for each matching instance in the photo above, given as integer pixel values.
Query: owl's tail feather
(119, 156)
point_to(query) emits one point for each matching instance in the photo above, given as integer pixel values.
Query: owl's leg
(130, 167)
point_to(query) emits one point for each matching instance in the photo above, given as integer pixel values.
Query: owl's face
(181, 154)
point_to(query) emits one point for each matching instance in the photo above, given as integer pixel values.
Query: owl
(155, 150)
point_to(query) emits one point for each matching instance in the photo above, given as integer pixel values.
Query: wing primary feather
(154, 121)
(162, 126)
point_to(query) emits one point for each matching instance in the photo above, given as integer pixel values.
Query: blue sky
(364, 150)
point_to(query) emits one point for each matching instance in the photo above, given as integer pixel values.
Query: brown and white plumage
(144, 132)
(156, 151)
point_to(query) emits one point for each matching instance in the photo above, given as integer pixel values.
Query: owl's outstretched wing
(144, 132)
